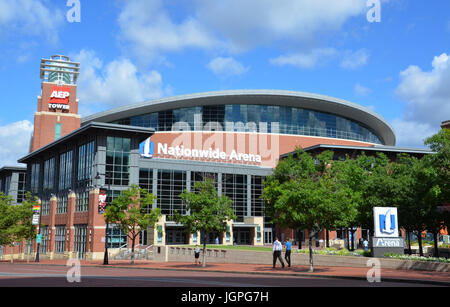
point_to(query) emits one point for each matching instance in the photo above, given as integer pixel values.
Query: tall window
(65, 170)
(61, 204)
(57, 131)
(170, 185)
(43, 245)
(146, 179)
(118, 160)
(80, 239)
(257, 202)
(60, 238)
(49, 174)
(7, 185)
(21, 188)
(45, 210)
(116, 237)
(86, 154)
(82, 202)
(35, 177)
(235, 187)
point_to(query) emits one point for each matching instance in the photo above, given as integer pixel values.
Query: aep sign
(386, 222)
(59, 98)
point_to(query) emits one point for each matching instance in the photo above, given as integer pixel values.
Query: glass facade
(235, 187)
(82, 203)
(49, 174)
(65, 171)
(80, 239)
(60, 238)
(170, 185)
(86, 154)
(21, 188)
(118, 160)
(255, 118)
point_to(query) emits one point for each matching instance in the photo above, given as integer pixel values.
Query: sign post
(36, 221)
(386, 239)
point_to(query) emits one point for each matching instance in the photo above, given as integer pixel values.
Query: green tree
(207, 212)
(436, 178)
(302, 191)
(8, 220)
(132, 212)
(24, 229)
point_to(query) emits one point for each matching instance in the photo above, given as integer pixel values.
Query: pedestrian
(287, 254)
(217, 240)
(197, 254)
(277, 248)
(366, 245)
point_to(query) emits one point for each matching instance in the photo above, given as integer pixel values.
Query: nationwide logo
(387, 222)
(147, 150)
(59, 98)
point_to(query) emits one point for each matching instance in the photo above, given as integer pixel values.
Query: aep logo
(59, 95)
(386, 221)
(147, 148)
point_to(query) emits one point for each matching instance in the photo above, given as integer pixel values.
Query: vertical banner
(102, 201)
(36, 213)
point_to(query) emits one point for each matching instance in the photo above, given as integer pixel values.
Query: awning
(244, 225)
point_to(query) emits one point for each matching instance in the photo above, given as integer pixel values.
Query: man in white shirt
(277, 248)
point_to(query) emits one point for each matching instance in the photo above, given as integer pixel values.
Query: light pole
(105, 257)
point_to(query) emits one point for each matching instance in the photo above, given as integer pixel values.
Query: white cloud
(306, 60)
(226, 67)
(361, 90)
(427, 98)
(148, 26)
(412, 133)
(233, 26)
(354, 59)
(114, 84)
(29, 18)
(17, 136)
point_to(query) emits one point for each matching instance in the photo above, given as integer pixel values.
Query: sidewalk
(440, 278)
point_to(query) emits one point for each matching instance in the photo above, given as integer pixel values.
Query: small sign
(35, 220)
(39, 239)
(102, 201)
(385, 221)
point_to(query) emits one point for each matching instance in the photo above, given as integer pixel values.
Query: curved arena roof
(310, 101)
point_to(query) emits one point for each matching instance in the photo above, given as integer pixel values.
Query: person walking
(287, 254)
(197, 254)
(277, 248)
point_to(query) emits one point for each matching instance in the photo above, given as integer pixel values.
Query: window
(60, 238)
(116, 237)
(21, 188)
(235, 187)
(257, 202)
(35, 177)
(45, 210)
(49, 174)
(118, 160)
(82, 202)
(61, 204)
(146, 179)
(65, 170)
(86, 155)
(80, 239)
(43, 245)
(57, 131)
(170, 185)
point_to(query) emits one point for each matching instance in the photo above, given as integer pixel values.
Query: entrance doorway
(241, 236)
(175, 235)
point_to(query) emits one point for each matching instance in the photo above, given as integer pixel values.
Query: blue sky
(135, 50)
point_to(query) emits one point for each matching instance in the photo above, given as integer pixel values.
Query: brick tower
(57, 111)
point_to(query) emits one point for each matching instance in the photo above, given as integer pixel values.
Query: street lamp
(105, 257)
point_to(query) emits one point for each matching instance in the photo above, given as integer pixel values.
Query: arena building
(166, 145)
